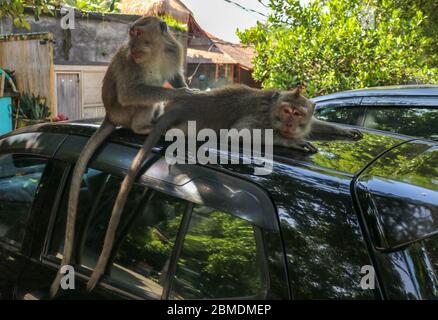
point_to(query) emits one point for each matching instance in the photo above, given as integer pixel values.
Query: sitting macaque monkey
(288, 113)
(132, 95)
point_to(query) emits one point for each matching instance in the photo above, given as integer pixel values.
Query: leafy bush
(32, 108)
(332, 46)
(14, 9)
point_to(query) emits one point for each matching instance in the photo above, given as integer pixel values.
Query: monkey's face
(292, 115)
(146, 38)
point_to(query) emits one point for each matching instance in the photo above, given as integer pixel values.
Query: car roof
(344, 157)
(406, 90)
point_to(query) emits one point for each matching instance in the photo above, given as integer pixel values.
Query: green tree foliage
(335, 45)
(14, 9)
(429, 28)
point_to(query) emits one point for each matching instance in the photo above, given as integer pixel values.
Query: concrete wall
(93, 41)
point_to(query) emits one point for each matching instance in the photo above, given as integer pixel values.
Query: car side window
(413, 121)
(216, 249)
(219, 259)
(340, 114)
(19, 179)
(143, 258)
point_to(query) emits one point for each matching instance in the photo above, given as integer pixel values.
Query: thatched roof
(204, 56)
(229, 54)
(242, 55)
(235, 52)
(175, 8)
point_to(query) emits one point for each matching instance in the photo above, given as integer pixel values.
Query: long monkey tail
(96, 140)
(165, 122)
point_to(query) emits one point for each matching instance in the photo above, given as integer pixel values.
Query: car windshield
(417, 122)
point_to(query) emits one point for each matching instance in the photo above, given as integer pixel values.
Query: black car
(410, 110)
(357, 220)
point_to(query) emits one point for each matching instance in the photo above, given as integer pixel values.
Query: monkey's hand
(299, 145)
(305, 146)
(353, 134)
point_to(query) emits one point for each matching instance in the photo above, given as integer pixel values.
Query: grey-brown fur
(132, 93)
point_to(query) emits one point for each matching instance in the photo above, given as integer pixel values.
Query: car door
(397, 198)
(177, 239)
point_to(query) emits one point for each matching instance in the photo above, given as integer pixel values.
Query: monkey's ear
(299, 90)
(163, 26)
(275, 95)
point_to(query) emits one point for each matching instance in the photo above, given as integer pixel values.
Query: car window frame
(387, 100)
(100, 163)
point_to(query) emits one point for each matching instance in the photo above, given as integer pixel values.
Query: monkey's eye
(135, 32)
(298, 113)
(291, 111)
(287, 110)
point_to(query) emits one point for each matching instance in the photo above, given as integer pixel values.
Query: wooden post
(2, 83)
(51, 98)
